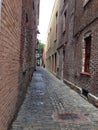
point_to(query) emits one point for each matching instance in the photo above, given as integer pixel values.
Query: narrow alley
(48, 65)
(52, 105)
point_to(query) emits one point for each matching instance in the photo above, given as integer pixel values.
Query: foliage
(41, 47)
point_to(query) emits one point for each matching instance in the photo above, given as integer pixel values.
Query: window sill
(86, 73)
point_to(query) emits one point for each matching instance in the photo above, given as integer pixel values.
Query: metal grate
(68, 116)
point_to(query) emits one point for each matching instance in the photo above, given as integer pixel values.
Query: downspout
(74, 17)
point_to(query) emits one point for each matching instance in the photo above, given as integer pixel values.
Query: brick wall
(89, 83)
(86, 20)
(69, 63)
(18, 27)
(80, 21)
(10, 37)
(85, 15)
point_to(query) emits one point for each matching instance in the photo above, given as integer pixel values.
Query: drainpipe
(74, 16)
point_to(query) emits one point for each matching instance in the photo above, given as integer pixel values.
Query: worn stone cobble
(46, 97)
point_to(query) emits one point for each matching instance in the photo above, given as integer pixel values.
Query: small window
(56, 14)
(50, 29)
(64, 22)
(86, 53)
(56, 28)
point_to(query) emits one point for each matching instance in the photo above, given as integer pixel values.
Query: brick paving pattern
(52, 105)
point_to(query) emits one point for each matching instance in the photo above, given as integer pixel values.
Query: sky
(46, 7)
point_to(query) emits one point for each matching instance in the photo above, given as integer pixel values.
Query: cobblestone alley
(51, 105)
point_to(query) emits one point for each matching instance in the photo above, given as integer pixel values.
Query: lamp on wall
(38, 32)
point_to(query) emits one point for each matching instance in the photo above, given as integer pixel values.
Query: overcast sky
(46, 7)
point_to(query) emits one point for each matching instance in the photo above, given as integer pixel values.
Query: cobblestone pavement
(52, 105)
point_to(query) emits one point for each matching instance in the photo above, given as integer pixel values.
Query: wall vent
(85, 92)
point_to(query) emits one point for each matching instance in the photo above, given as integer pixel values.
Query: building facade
(86, 46)
(76, 45)
(51, 54)
(18, 32)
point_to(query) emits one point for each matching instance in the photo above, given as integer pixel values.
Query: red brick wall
(80, 21)
(89, 83)
(66, 40)
(84, 15)
(86, 20)
(17, 55)
(10, 35)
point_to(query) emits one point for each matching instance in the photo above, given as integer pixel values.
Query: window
(85, 2)
(55, 55)
(64, 22)
(56, 24)
(52, 63)
(33, 6)
(86, 52)
(26, 18)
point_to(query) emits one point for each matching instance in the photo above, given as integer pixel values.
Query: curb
(73, 86)
(93, 99)
(90, 97)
